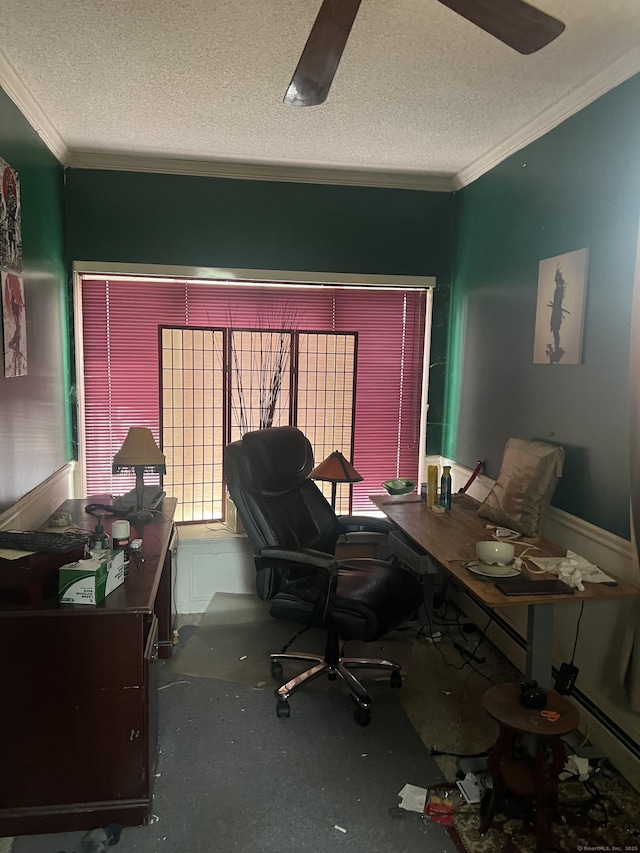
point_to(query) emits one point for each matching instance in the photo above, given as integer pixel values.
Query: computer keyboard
(46, 543)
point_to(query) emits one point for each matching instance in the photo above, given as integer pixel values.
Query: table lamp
(335, 469)
(139, 453)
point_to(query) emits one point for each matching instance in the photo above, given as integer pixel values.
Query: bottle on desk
(120, 532)
(445, 487)
(100, 540)
(432, 485)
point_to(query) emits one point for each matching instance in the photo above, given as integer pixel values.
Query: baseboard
(34, 508)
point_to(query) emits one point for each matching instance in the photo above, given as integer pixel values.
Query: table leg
(427, 599)
(539, 643)
(503, 748)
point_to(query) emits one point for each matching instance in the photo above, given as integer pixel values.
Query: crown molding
(260, 171)
(31, 109)
(576, 100)
(237, 170)
(616, 73)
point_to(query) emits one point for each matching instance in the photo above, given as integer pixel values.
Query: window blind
(119, 363)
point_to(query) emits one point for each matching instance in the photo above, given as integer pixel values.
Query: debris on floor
(412, 798)
(440, 810)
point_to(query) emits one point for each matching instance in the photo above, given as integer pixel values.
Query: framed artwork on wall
(13, 308)
(14, 324)
(562, 283)
(10, 219)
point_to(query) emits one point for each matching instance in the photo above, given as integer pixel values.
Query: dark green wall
(578, 186)
(129, 217)
(194, 221)
(33, 408)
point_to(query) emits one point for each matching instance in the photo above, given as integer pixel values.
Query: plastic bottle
(432, 484)
(120, 532)
(99, 539)
(445, 487)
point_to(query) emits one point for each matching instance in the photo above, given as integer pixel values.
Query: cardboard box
(90, 581)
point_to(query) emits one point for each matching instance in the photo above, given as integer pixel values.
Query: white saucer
(487, 571)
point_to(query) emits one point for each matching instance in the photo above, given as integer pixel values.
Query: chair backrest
(267, 474)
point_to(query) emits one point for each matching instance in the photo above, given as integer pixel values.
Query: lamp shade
(139, 450)
(336, 469)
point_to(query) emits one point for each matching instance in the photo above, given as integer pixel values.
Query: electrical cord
(435, 751)
(597, 800)
(466, 662)
(472, 654)
(575, 643)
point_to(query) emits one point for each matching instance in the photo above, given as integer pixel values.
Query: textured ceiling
(419, 89)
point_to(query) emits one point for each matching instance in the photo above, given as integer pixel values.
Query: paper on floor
(412, 798)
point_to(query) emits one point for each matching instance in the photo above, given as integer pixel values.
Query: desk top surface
(140, 588)
(450, 539)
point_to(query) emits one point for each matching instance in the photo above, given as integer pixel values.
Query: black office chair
(293, 532)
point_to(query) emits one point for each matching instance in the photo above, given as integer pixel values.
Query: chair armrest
(300, 557)
(368, 523)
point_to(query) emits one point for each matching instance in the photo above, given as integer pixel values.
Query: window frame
(231, 277)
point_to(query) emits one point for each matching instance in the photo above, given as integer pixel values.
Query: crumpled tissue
(573, 569)
(576, 766)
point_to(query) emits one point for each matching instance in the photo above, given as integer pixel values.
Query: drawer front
(411, 554)
(83, 718)
(77, 650)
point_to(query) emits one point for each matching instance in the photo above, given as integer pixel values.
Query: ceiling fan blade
(514, 22)
(317, 66)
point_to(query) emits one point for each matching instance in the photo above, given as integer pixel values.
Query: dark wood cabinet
(78, 712)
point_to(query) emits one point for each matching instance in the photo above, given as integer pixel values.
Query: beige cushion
(527, 480)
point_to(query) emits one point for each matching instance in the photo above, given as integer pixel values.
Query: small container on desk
(432, 485)
(445, 487)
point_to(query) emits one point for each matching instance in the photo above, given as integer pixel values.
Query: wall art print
(10, 219)
(14, 324)
(562, 283)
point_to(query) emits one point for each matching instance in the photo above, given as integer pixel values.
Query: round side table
(512, 769)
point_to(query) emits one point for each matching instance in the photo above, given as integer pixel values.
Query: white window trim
(194, 275)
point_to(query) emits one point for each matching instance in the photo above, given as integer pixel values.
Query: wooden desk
(450, 538)
(78, 714)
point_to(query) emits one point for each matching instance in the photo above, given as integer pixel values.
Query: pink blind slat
(121, 382)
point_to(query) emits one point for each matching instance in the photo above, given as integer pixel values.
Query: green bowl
(399, 486)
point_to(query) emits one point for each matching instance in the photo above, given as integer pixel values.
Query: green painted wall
(33, 408)
(129, 217)
(578, 186)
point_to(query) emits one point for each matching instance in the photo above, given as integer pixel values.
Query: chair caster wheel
(282, 708)
(362, 716)
(396, 679)
(276, 669)
(332, 676)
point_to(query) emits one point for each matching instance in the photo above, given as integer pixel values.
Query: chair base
(333, 666)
